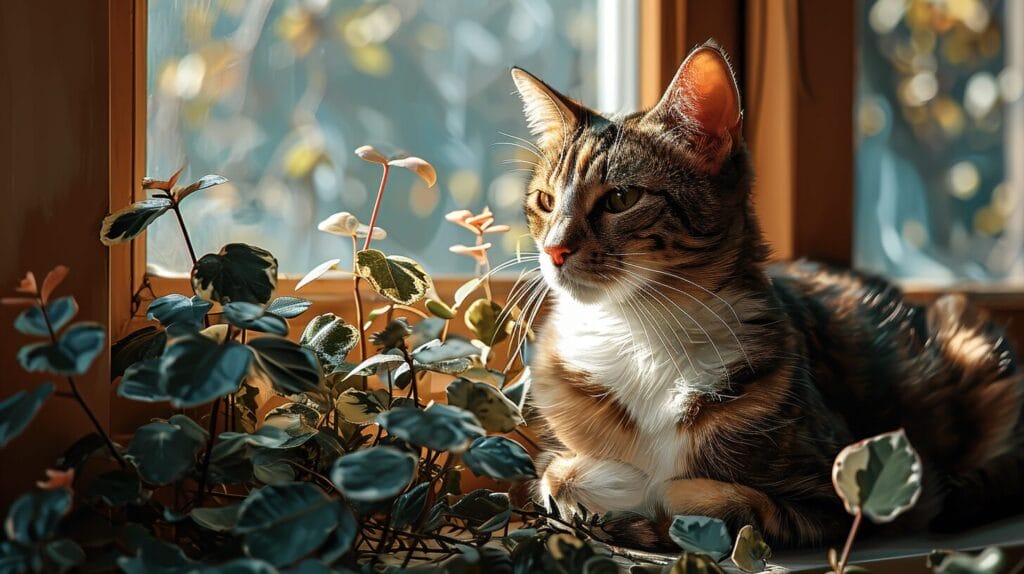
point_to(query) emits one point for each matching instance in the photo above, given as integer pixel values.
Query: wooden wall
(54, 173)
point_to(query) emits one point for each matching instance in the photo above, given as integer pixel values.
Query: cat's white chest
(640, 373)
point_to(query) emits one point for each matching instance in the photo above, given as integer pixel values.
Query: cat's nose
(558, 253)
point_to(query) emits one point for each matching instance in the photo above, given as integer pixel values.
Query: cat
(678, 372)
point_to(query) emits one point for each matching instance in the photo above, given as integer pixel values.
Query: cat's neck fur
(658, 348)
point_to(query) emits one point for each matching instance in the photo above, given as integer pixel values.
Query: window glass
(277, 95)
(940, 140)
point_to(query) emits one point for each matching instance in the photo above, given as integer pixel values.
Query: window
(940, 123)
(277, 95)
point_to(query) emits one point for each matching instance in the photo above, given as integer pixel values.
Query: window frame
(131, 285)
(792, 156)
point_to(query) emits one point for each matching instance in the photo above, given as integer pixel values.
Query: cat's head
(619, 202)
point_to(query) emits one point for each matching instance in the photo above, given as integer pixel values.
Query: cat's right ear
(702, 105)
(549, 115)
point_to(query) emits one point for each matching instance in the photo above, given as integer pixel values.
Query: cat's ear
(549, 114)
(702, 104)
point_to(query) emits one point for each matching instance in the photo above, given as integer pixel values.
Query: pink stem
(376, 206)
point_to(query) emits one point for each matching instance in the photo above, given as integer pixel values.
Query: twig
(205, 468)
(849, 541)
(184, 231)
(78, 396)
(376, 204)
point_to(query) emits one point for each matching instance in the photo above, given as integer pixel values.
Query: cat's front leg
(596, 484)
(785, 523)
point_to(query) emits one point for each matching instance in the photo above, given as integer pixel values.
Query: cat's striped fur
(680, 374)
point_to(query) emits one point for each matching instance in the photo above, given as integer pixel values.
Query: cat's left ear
(549, 115)
(702, 104)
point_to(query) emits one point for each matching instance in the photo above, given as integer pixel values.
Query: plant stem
(376, 205)
(849, 541)
(359, 308)
(204, 472)
(78, 396)
(184, 231)
(412, 373)
(487, 269)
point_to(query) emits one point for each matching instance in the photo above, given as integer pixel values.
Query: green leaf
(398, 278)
(14, 558)
(484, 510)
(272, 467)
(128, 223)
(241, 566)
(702, 535)
(154, 556)
(392, 335)
(439, 309)
(143, 382)
(201, 183)
(519, 390)
(218, 518)
(72, 355)
(32, 322)
(373, 474)
(178, 313)
(374, 361)
(750, 553)
(17, 410)
(64, 554)
(408, 507)
(465, 291)
(164, 452)
(283, 523)
(435, 351)
(989, 561)
(301, 412)
(116, 488)
(482, 319)
(289, 307)
(33, 516)
(239, 272)
(253, 317)
(344, 535)
(361, 407)
(330, 337)
(439, 426)
(880, 476)
(316, 272)
(290, 367)
(695, 563)
(142, 344)
(197, 370)
(496, 412)
(499, 458)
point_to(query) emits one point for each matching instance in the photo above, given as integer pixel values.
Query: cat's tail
(968, 421)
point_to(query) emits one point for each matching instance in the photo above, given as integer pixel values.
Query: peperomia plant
(283, 454)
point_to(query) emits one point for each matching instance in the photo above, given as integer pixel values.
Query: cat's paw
(597, 485)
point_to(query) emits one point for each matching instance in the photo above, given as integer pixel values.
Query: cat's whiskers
(697, 300)
(528, 325)
(709, 339)
(664, 315)
(637, 306)
(515, 296)
(518, 160)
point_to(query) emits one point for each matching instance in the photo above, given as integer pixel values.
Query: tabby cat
(679, 373)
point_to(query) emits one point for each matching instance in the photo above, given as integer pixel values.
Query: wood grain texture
(54, 160)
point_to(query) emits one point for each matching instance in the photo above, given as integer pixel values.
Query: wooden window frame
(131, 287)
(794, 79)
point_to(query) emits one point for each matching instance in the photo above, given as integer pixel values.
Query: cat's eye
(545, 201)
(622, 198)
